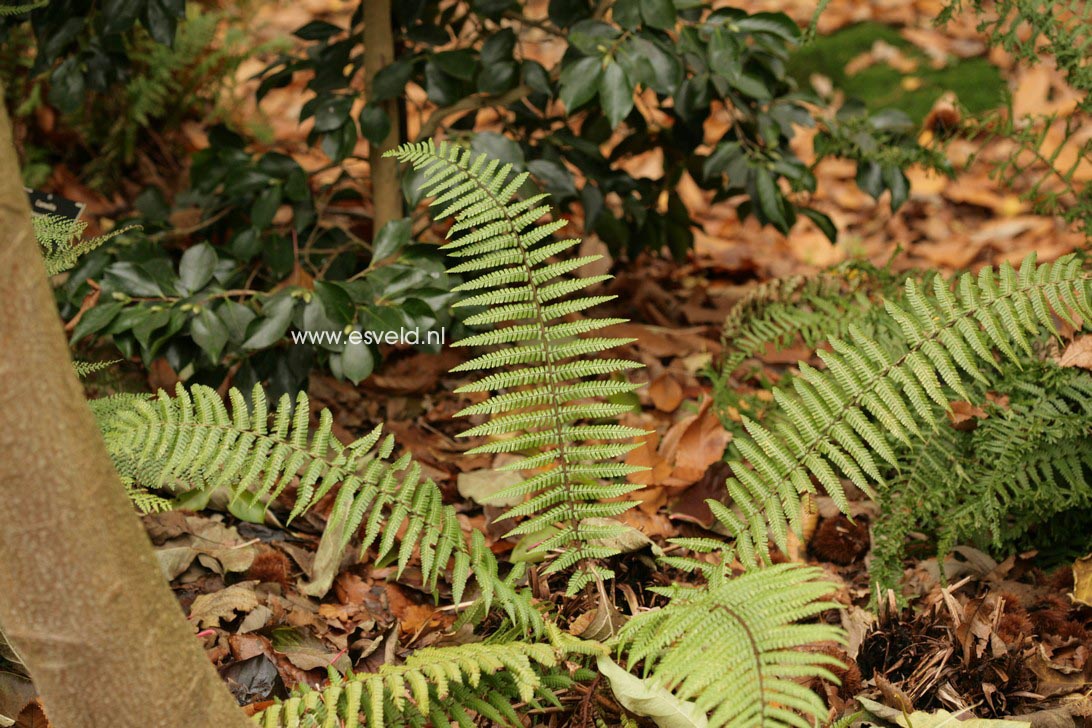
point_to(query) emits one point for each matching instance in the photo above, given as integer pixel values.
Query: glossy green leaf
(616, 94)
(391, 238)
(209, 333)
(270, 327)
(769, 199)
(374, 123)
(95, 319)
(335, 302)
(579, 82)
(196, 267)
(777, 24)
(870, 178)
(895, 180)
(658, 13)
(357, 362)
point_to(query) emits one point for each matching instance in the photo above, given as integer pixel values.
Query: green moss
(975, 81)
(828, 54)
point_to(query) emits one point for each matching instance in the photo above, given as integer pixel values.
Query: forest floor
(1002, 637)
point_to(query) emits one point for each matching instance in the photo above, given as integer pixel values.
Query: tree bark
(379, 52)
(82, 598)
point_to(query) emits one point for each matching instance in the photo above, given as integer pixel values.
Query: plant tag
(46, 203)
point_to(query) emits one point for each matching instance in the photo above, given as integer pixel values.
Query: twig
(471, 103)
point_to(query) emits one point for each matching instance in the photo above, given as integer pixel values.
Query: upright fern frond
(846, 420)
(537, 404)
(438, 685)
(735, 646)
(191, 441)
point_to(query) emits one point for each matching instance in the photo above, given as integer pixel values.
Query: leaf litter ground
(990, 640)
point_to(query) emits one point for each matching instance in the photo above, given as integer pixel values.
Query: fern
(1033, 29)
(87, 368)
(849, 418)
(786, 311)
(1050, 150)
(735, 646)
(58, 239)
(441, 684)
(1026, 463)
(546, 408)
(192, 441)
(20, 9)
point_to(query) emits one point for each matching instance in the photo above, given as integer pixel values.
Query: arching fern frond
(87, 368)
(437, 685)
(1028, 460)
(845, 420)
(734, 647)
(192, 441)
(58, 238)
(798, 310)
(541, 401)
(24, 8)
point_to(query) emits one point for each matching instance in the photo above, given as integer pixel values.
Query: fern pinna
(850, 418)
(543, 410)
(191, 442)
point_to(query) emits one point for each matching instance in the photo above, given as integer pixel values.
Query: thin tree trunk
(81, 596)
(379, 52)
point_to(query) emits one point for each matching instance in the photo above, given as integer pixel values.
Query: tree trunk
(82, 598)
(379, 52)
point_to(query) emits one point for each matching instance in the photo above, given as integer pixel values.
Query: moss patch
(975, 81)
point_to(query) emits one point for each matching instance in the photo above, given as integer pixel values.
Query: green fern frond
(87, 368)
(192, 441)
(846, 420)
(20, 9)
(439, 685)
(1026, 463)
(58, 239)
(798, 310)
(541, 397)
(736, 647)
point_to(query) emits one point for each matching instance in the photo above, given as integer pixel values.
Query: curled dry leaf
(1077, 354)
(693, 444)
(644, 698)
(208, 610)
(666, 392)
(964, 416)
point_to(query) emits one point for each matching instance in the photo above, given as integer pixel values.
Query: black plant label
(46, 203)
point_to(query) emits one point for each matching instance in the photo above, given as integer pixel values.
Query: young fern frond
(440, 685)
(540, 399)
(87, 368)
(848, 418)
(192, 441)
(734, 647)
(58, 238)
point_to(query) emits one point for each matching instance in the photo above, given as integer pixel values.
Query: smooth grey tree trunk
(81, 596)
